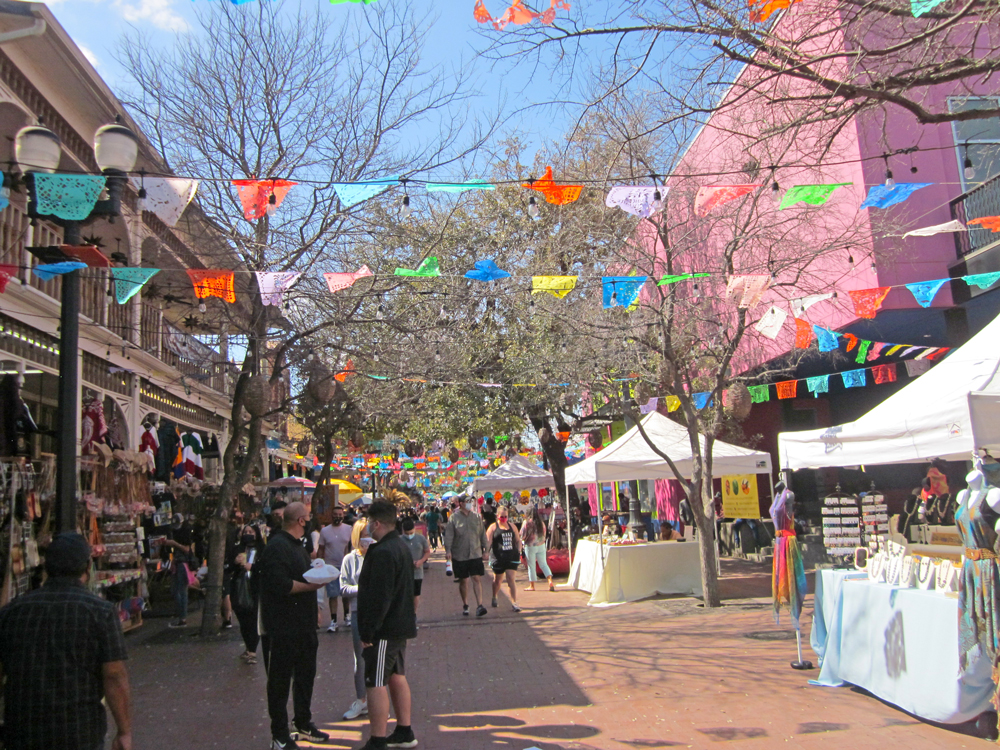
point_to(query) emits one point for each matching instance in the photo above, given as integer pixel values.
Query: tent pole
(600, 520)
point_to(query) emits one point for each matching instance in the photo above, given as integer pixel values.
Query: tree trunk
(555, 454)
(704, 516)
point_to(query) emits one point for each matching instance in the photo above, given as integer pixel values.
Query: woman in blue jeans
(350, 569)
(533, 536)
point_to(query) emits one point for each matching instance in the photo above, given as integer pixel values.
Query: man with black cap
(62, 652)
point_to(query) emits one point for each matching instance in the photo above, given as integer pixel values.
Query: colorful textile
(916, 367)
(788, 580)
(747, 290)
(910, 349)
(7, 272)
(255, 196)
(167, 197)
(868, 301)
(948, 226)
(819, 384)
(978, 601)
(771, 323)
(852, 340)
(69, 196)
(853, 378)
(557, 286)
(987, 222)
(925, 291)
(149, 443)
(558, 195)
(486, 270)
(927, 352)
(649, 406)
(803, 334)
(876, 350)
(862, 351)
(621, 291)
(884, 373)
(787, 388)
(88, 254)
(710, 196)
(213, 282)
(700, 399)
(919, 7)
(759, 394)
(128, 281)
(940, 352)
(48, 271)
(274, 285)
(353, 193)
(517, 13)
(669, 493)
(188, 460)
(880, 196)
(675, 277)
(637, 200)
(337, 281)
(458, 187)
(673, 403)
(814, 195)
(799, 305)
(895, 348)
(982, 280)
(827, 339)
(427, 269)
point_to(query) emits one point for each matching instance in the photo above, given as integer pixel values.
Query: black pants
(290, 661)
(247, 619)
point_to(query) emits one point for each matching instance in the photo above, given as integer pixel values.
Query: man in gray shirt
(465, 546)
(420, 549)
(334, 539)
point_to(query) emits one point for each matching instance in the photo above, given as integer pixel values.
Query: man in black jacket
(288, 614)
(386, 619)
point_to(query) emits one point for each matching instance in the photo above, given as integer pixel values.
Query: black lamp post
(38, 149)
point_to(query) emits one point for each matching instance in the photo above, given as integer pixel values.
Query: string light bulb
(379, 312)
(201, 307)
(142, 191)
(404, 210)
(967, 168)
(775, 191)
(532, 207)
(564, 347)
(272, 204)
(437, 355)
(889, 181)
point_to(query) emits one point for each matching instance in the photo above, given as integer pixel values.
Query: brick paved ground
(655, 674)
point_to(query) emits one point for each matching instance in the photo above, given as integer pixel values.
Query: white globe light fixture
(116, 148)
(37, 149)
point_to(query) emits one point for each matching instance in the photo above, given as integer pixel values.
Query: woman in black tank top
(505, 543)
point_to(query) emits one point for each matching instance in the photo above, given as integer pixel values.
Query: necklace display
(926, 573)
(893, 569)
(907, 572)
(945, 579)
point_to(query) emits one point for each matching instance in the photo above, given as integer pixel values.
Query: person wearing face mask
(350, 570)
(288, 633)
(466, 547)
(420, 549)
(334, 541)
(245, 593)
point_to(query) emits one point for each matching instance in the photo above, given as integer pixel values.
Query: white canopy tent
(946, 413)
(630, 457)
(517, 474)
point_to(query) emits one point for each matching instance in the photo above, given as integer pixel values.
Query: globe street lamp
(38, 150)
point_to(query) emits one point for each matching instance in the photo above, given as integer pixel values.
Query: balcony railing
(981, 201)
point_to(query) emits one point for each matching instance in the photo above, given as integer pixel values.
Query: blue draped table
(900, 644)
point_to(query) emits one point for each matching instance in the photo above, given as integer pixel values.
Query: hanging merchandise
(853, 378)
(167, 197)
(7, 272)
(868, 301)
(558, 195)
(803, 334)
(427, 269)
(799, 305)
(814, 195)
(557, 286)
(69, 196)
(948, 226)
(925, 291)
(819, 384)
(674, 278)
(353, 193)
(128, 281)
(213, 282)
(621, 291)
(987, 222)
(337, 281)
(486, 270)
(48, 271)
(149, 443)
(639, 200)
(759, 393)
(261, 197)
(93, 426)
(788, 582)
(274, 285)
(884, 373)
(88, 254)
(458, 187)
(771, 323)
(787, 388)
(710, 196)
(883, 196)
(747, 290)
(982, 280)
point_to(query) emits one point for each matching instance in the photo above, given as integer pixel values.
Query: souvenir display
(926, 573)
(841, 528)
(893, 568)
(874, 514)
(907, 573)
(946, 579)
(876, 567)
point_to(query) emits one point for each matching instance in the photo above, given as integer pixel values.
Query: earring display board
(841, 525)
(874, 515)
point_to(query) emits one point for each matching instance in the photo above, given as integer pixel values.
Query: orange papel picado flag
(213, 282)
(558, 195)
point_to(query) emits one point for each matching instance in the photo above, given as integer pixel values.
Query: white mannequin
(974, 494)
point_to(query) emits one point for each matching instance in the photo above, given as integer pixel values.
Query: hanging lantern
(257, 395)
(595, 438)
(544, 435)
(737, 401)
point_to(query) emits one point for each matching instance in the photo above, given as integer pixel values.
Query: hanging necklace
(926, 573)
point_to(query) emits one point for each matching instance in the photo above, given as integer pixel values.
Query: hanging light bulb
(563, 347)
(614, 298)
(437, 355)
(967, 168)
(532, 207)
(696, 291)
(375, 356)
(272, 204)
(657, 200)
(889, 181)
(142, 191)
(775, 191)
(531, 304)
(310, 357)
(850, 259)
(201, 307)
(404, 210)
(379, 312)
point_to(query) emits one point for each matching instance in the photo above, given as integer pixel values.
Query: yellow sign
(739, 496)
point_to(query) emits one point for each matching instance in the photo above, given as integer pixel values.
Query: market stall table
(632, 572)
(900, 644)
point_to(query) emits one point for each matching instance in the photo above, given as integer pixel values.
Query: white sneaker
(332, 628)
(347, 622)
(358, 708)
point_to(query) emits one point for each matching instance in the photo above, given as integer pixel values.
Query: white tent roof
(517, 474)
(630, 457)
(932, 417)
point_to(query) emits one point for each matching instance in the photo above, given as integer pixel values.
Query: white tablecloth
(900, 645)
(634, 572)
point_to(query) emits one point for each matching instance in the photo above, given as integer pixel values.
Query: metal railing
(983, 200)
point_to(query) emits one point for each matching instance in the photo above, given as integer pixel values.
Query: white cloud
(159, 13)
(91, 57)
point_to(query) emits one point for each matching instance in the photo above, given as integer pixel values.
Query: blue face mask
(409, 536)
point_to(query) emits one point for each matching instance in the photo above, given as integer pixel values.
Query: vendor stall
(515, 475)
(629, 572)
